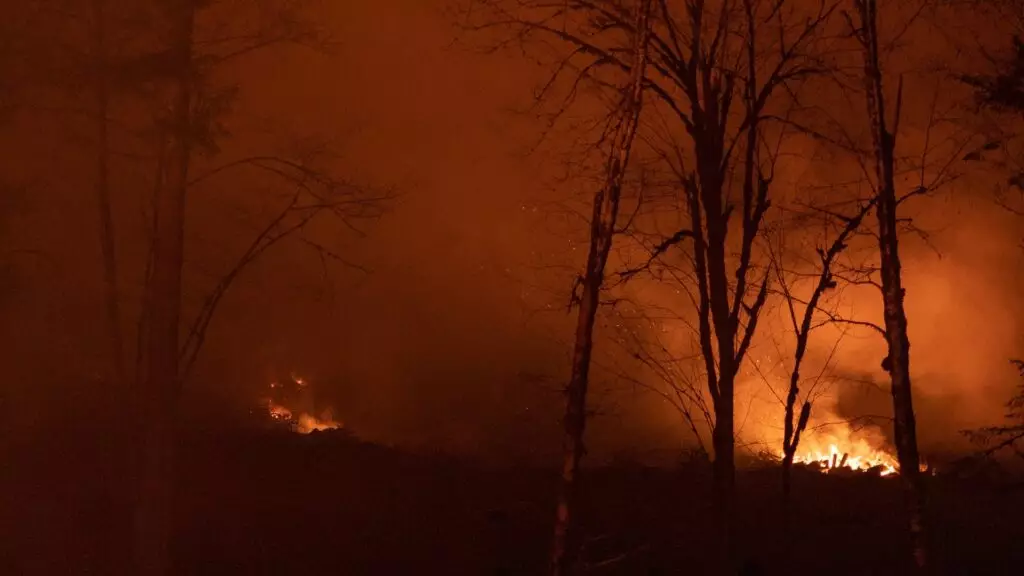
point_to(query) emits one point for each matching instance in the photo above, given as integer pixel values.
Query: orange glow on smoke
(307, 423)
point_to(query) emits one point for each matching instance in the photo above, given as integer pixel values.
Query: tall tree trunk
(154, 520)
(724, 473)
(790, 444)
(103, 202)
(711, 262)
(720, 300)
(716, 339)
(898, 361)
(602, 231)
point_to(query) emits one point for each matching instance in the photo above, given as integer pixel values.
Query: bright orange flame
(858, 456)
(837, 446)
(845, 449)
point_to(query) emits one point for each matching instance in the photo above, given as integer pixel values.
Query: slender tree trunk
(103, 202)
(787, 495)
(898, 361)
(602, 231)
(708, 221)
(724, 473)
(155, 520)
(723, 436)
(790, 444)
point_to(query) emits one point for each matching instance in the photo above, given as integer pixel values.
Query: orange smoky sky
(454, 336)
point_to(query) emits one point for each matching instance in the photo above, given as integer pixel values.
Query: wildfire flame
(303, 423)
(837, 446)
(278, 412)
(307, 423)
(857, 457)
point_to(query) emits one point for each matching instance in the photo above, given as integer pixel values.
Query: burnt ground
(286, 504)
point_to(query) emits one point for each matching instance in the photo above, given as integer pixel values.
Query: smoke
(964, 327)
(964, 321)
(439, 344)
(447, 340)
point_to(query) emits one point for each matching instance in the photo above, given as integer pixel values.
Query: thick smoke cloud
(440, 343)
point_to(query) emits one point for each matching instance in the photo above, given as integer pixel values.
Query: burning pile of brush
(838, 447)
(849, 459)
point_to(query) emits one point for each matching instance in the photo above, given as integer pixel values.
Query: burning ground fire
(853, 456)
(830, 443)
(839, 448)
(304, 422)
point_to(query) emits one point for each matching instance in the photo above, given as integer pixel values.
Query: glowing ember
(298, 419)
(304, 423)
(278, 412)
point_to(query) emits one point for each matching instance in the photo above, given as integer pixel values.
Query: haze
(455, 335)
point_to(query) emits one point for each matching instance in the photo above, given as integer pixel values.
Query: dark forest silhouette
(675, 127)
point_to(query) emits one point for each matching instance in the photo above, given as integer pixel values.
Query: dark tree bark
(897, 362)
(159, 396)
(602, 231)
(112, 300)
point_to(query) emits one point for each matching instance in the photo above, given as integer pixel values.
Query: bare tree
(732, 287)
(313, 193)
(897, 363)
(603, 225)
(196, 39)
(716, 74)
(803, 324)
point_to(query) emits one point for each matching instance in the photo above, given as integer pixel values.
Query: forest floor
(284, 504)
